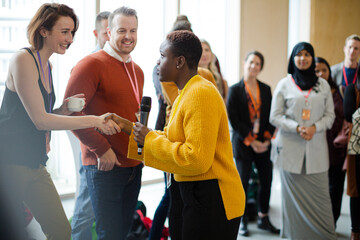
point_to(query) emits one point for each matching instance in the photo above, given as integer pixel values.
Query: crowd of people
(303, 129)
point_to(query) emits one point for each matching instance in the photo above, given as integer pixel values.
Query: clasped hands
(260, 147)
(306, 133)
(140, 131)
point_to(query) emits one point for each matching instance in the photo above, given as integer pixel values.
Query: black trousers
(202, 213)
(175, 211)
(336, 188)
(265, 170)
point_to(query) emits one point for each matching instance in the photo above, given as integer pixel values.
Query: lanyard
(345, 77)
(49, 95)
(178, 101)
(256, 104)
(135, 86)
(307, 95)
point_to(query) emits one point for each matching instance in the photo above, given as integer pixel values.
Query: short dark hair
(101, 16)
(258, 54)
(126, 11)
(46, 17)
(187, 44)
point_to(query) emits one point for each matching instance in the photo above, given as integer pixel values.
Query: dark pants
(175, 211)
(160, 215)
(114, 196)
(355, 202)
(264, 167)
(336, 188)
(203, 212)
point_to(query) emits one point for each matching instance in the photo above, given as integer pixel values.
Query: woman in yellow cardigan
(195, 146)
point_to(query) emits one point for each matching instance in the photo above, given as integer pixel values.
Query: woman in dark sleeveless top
(26, 118)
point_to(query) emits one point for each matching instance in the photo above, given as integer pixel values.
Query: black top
(349, 102)
(239, 117)
(20, 142)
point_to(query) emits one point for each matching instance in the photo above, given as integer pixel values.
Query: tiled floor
(151, 196)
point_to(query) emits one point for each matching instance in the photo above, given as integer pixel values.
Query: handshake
(113, 124)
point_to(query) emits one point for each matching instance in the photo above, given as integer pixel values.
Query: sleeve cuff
(133, 149)
(249, 139)
(267, 135)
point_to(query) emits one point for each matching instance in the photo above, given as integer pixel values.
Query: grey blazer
(336, 73)
(289, 150)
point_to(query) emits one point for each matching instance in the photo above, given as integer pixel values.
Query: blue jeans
(84, 217)
(114, 196)
(160, 215)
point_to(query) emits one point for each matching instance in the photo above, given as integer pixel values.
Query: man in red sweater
(111, 82)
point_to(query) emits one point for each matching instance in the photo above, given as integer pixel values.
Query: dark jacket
(336, 155)
(238, 111)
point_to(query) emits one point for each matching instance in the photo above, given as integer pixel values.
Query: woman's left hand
(140, 132)
(307, 133)
(63, 109)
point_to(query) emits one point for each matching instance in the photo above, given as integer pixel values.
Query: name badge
(305, 115)
(256, 127)
(137, 115)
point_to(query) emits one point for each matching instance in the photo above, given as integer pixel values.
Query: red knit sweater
(107, 88)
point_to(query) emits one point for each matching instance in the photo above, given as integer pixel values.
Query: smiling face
(303, 60)
(167, 64)
(252, 66)
(123, 34)
(321, 70)
(60, 36)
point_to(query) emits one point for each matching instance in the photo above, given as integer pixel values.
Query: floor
(151, 196)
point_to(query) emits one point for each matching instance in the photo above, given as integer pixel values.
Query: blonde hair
(352, 37)
(214, 70)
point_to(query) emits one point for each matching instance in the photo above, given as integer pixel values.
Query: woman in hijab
(351, 104)
(302, 109)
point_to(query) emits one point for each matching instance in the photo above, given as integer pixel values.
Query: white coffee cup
(75, 104)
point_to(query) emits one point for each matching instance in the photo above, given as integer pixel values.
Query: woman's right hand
(124, 124)
(259, 147)
(307, 133)
(108, 126)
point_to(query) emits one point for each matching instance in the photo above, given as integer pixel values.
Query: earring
(177, 66)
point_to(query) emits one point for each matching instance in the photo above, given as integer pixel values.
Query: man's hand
(107, 161)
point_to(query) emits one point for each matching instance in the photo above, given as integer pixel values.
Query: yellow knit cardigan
(196, 144)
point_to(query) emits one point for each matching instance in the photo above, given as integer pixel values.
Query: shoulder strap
(37, 66)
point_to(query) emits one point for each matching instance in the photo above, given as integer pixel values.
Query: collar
(109, 50)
